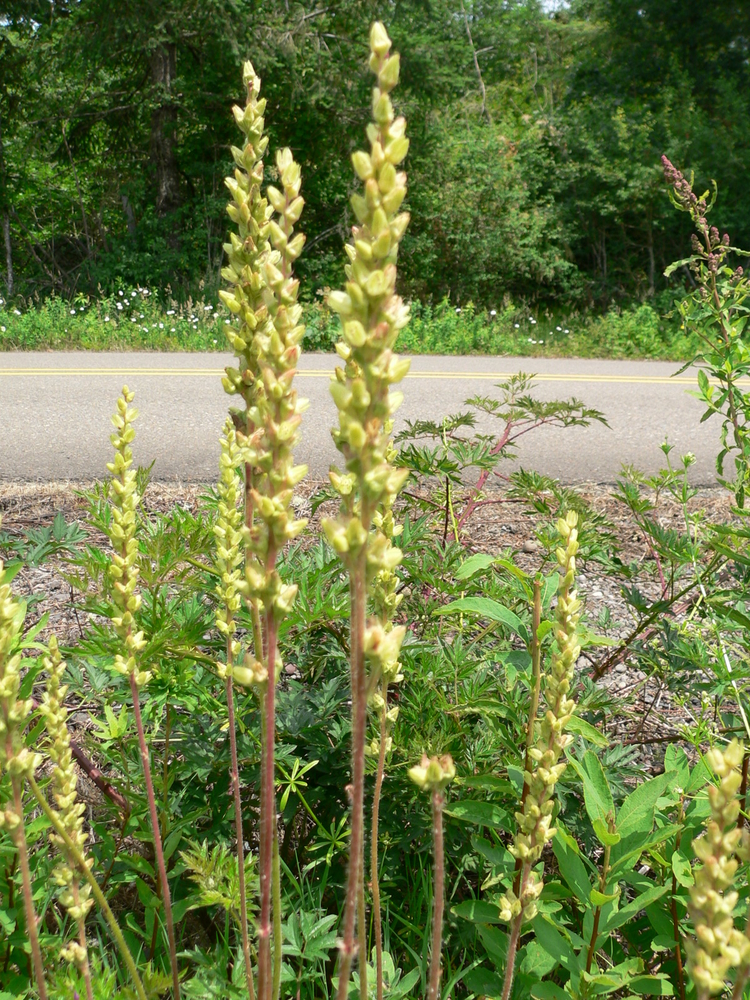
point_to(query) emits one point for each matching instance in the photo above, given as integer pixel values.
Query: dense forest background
(536, 135)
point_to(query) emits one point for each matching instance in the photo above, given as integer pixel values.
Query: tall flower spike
(228, 558)
(384, 600)
(74, 895)
(269, 451)
(228, 552)
(15, 758)
(718, 947)
(371, 315)
(535, 828)
(123, 569)
(248, 248)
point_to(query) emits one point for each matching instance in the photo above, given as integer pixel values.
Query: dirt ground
(648, 716)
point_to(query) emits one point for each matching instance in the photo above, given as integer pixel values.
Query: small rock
(530, 545)
(620, 668)
(597, 593)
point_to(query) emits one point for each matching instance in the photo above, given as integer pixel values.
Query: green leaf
(571, 867)
(479, 813)
(635, 818)
(548, 991)
(603, 834)
(478, 911)
(484, 983)
(486, 608)
(472, 565)
(596, 794)
(651, 986)
(619, 917)
(600, 898)
(682, 870)
(551, 940)
(582, 728)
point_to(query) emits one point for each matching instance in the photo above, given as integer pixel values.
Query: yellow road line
(325, 373)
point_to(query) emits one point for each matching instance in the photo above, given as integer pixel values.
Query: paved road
(54, 412)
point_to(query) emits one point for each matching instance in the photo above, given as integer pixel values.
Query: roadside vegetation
(375, 759)
(140, 319)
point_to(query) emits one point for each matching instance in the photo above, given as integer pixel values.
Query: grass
(137, 319)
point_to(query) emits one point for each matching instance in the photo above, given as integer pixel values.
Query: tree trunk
(129, 214)
(163, 127)
(8, 255)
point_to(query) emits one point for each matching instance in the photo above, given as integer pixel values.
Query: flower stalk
(124, 572)
(101, 900)
(268, 346)
(535, 818)
(433, 775)
(228, 560)
(385, 600)
(17, 760)
(372, 315)
(74, 896)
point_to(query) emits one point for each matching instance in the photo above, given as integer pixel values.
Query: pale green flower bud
(433, 773)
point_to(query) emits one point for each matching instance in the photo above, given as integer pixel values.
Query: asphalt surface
(55, 407)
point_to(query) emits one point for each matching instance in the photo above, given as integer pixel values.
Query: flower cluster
(15, 758)
(276, 412)
(372, 315)
(123, 569)
(250, 211)
(384, 600)
(74, 895)
(535, 821)
(718, 946)
(433, 774)
(228, 534)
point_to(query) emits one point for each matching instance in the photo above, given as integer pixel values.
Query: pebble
(530, 545)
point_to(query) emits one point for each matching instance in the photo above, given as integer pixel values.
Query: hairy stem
(515, 935)
(267, 809)
(598, 911)
(438, 894)
(158, 848)
(19, 838)
(362, 933)
(239, 835)
(99, 896)
(359, 734)
(276, 900)
(374, 865)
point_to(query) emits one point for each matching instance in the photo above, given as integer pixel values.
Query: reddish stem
(19, 838)
(235, 782)
(359, 734)
(267, 804)
(158, 847)
(438, 800)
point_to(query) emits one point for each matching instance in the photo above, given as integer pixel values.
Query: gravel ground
(648, 716)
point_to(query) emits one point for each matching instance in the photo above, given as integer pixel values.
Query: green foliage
(115, 140)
